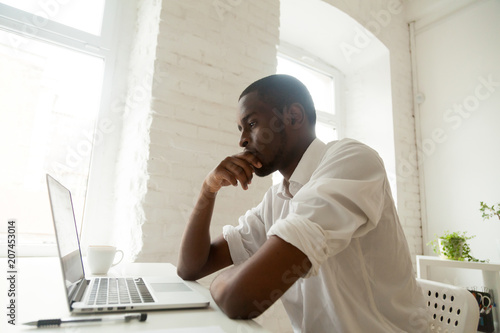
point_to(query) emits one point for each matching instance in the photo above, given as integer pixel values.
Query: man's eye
(252, 124)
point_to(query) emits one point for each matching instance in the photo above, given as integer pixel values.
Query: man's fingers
(241, 170)
(220, 177)
(228, 179)
(250, 158)
(232, 170)
(237, 174)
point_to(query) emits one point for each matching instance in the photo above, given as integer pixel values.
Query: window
(82, 15)
(54, 58)
(321, 87)
(324, 83)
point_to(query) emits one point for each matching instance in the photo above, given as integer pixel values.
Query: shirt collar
(304, 170)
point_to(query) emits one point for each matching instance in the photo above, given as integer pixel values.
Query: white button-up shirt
(342, 216)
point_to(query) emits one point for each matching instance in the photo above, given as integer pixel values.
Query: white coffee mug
(102, 257)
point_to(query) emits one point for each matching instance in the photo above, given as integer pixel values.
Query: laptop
(109, 294)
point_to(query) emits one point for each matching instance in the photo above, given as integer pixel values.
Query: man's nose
(243, 140)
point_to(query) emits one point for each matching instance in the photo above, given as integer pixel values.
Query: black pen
(76, 320)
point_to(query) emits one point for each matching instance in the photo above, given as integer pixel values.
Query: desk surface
(40, 295)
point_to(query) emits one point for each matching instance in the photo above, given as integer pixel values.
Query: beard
(272, 166)
(265, 170)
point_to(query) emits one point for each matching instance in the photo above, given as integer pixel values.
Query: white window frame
(40, 27)
(105, 46)
(301, 57)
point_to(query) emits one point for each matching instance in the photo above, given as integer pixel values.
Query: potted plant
(489, 212)
(454, 246)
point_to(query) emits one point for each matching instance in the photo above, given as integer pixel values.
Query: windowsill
(38, 250)
(33, 250)
(30, 245)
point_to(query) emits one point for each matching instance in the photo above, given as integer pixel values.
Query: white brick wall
(210, 51)
(396, 38)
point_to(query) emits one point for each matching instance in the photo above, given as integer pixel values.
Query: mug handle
(121, 258)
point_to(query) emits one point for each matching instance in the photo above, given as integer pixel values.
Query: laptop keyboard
(119, 291)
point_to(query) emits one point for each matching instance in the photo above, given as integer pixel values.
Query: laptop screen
(66, 233)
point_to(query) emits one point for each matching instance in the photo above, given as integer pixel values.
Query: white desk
(40, 295)
(490, 271)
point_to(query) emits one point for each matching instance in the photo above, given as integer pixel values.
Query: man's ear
(296, 115)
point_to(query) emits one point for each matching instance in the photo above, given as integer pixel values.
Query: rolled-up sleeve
(247, 237)
(343, 200)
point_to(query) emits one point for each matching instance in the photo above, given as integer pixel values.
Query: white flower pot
(458, 253)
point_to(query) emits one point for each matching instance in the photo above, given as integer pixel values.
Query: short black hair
(280, 91)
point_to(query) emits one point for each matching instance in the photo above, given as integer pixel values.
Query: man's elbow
(235, 314)
(235, 304)
(186, 274)
(238, 309)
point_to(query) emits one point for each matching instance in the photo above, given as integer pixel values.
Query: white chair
(452, 309)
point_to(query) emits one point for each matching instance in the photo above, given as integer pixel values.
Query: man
(327, 241)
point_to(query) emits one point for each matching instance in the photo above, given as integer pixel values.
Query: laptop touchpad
(169, 287)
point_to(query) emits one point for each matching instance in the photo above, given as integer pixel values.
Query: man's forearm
(195, 245)
(247, 290)
(199, 256)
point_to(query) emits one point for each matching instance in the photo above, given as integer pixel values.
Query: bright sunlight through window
(322, 89)
(81, 15)
(48, 109)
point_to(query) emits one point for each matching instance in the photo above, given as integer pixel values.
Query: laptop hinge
(79, 290)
